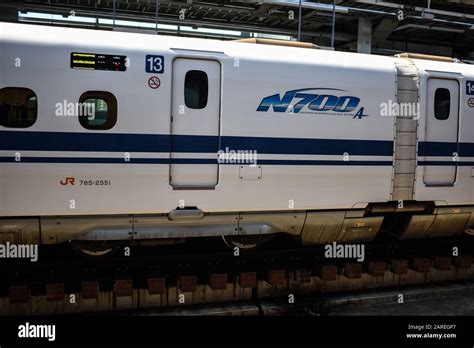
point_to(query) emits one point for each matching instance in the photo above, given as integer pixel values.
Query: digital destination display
(93, 61)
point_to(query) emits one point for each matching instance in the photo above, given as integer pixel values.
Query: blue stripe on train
(103, 160)
(445, 149)
(445, 163)
(107, 142)
(115, 142)
(108, 160)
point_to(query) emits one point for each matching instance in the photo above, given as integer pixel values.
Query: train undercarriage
(100, 235)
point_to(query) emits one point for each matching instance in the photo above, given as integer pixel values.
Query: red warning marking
(470, 102)
(154, 82)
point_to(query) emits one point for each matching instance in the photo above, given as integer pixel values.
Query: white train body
(328, 160)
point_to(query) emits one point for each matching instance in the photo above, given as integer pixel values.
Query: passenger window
(196, 89)
(442, 104)
(18, 107)
(99, 110)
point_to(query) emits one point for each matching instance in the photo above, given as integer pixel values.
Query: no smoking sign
(154, 82)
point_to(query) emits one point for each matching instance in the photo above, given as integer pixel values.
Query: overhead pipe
(420, 26)
(299, 22)
(444, 21)
(329, 7)
(417, 8)
(333, 29)
(113, 24)
(156, 15)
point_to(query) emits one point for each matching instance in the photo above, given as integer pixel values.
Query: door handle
(185, 214)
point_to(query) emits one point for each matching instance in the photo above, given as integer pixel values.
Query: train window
(196, 89)
(18, 107)
(442, 104)
(100, 110)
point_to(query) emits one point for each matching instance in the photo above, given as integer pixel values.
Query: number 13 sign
(154, 64)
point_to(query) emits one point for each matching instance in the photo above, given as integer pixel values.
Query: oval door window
(196, 89)
(442, 104)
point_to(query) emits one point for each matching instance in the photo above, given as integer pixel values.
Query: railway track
(62, 283)
(331, 304)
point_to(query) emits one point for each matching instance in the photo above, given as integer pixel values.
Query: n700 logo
(295, 100)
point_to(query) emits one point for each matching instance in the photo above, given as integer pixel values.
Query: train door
(441, 139)
(195, 115)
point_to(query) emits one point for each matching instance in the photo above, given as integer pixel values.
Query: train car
(112, 137)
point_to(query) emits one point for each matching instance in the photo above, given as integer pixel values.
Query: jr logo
(321, 103)
(67, 181)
